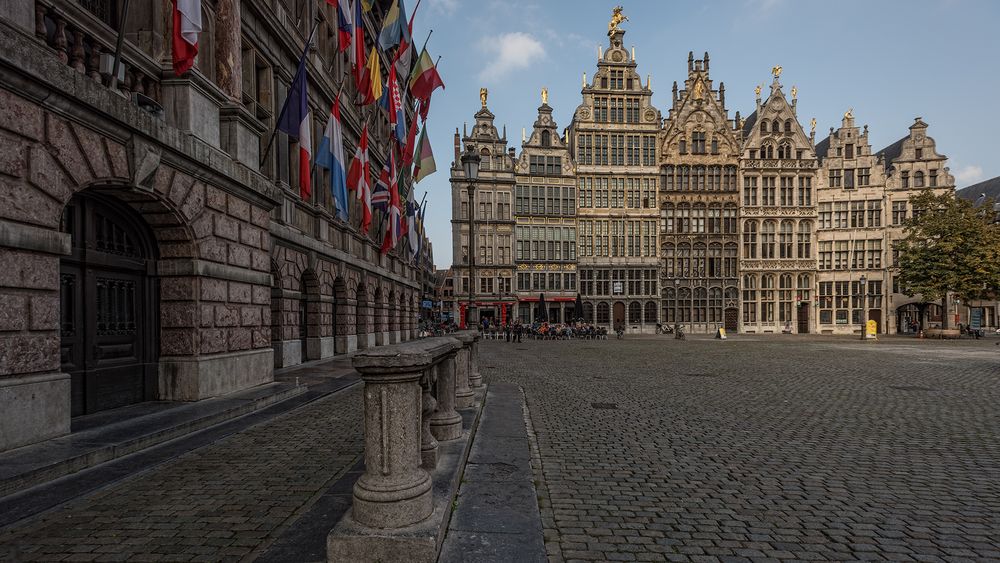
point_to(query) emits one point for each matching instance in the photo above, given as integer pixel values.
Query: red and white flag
(359, 179)
(187, 26)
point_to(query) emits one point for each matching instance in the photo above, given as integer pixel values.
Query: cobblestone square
(762, 448)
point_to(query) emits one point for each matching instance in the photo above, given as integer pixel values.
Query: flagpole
(270, 141)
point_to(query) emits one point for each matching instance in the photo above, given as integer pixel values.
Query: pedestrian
(518, 328)
(506, 331)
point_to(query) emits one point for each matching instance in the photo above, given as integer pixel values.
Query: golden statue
(483, 93)
(699, 89)
(795, 92)
(757, 90)
(617, 17)
(812, 126)
(849, 114)
(545, 96)
(776, 70)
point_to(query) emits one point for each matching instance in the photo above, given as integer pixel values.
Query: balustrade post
(475, 378)
(428, 444)
(464, 396)
(446, 423)
(395, 491)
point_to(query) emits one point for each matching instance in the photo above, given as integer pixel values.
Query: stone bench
(942, 333)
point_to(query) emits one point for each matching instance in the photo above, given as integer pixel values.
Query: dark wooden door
(619, 316)
(108, 306)
(803, 318)
(732, 320)
(876, 315)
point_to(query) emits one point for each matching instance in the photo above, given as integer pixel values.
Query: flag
(411, 223)
(394, 28)
(397, 116)
(380, 196)
(359, 179)
(392, 231)
(367, 5)
(357, 53)
(371, 86)
(411, 138)
(331, 156)
(425, 78)
(425, 165)
(404, 53)
(187, 26)
(294, 120)
(345, 24)
(420, 230)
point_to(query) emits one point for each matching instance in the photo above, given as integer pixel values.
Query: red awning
(549, 299)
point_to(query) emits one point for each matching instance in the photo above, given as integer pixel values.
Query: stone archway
(361, 313)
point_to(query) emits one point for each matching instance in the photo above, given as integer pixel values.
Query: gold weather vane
(795, 92)
(849, 114)
(483, 94)
(617, 17)
(776, 70)
(812, 126)
(545, 96)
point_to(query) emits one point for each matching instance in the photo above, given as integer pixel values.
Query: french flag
(294, 121)
(359, 179)
(345, 24)
(187, 26)
(331, 157)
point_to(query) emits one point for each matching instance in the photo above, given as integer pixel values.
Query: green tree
(951, 246)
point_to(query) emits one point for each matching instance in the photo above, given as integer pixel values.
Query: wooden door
(803, 318)
(732, 320)
(619, 314)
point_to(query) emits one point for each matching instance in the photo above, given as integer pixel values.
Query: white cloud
(446, 7)
(509, 52)
(969, 174)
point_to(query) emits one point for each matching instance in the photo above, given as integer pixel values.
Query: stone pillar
(229, 48)
(464, 397)
(446, 423)
(475, 378)
(428, 444)
(395, 491)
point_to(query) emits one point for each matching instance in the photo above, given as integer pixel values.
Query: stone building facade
(545, 234)
(492, 196)
(853, 273)
(699, 202)
(147, 253)
(613, 139)
(777, 217)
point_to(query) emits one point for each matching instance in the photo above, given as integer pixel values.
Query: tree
(951, 246)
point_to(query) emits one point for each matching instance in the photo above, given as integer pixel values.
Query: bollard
(428, 444)
(446, 423)
(475, 378)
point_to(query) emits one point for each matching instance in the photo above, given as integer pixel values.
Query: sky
(889, 60)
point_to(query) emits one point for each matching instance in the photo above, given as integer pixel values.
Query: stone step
(110, 435)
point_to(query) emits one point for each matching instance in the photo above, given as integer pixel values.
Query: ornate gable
(698, 109)
(777, 113)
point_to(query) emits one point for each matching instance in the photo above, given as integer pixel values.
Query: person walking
(506, 331)
(518, 328)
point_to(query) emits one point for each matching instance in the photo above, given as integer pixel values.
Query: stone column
(428, 444)
(446, 423)
(395, 491)
(464, 397)
(475, 378)
(228, 48)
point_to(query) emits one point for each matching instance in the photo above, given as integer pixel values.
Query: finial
(690, 61)
(757, 91)
(795, 92)
(633, 53)
(776, 71)
(706, 61)
(649, 81)
(812, 126)
(849, 114)
(617, 17)
(545, 96)
(483, 94)
(584, 83)
(523, 135)
(600, 52)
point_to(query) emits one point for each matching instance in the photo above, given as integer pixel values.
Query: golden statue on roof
(545, 95)
(776, 70)
(617, 17)
(483, 94)
(812, 126)
(849, 114)
(757, 90)
(699, 90)
(795, 92)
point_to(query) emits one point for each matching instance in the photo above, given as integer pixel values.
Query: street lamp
(470, 165)
(864, 307)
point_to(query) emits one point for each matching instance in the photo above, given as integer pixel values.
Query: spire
(706, 61)
(722, 88)
(690, 61)
(675, 91)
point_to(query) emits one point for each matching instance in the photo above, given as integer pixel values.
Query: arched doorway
(109, 305)
(361, 317)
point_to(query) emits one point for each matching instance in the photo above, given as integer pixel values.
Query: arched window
(788, 126)
(715, 305)
(775, 126)
(918, 180)
(767, 151)
(669, 305)
(699, 312)
(804, 288)
(650, 314)
(785, 240)
(750, 239)
(546, 139)
(763, 127)
(730, 256)
(588, 312)
(684, 305)
(785, 150)
(603, 313)
(785, 298)
(714, 260)
(634, 312)
(767, 298)
(767, 240)
(749, 298)
(668, 260)
(805, 240)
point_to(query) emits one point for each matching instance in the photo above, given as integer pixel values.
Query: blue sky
(890, 61)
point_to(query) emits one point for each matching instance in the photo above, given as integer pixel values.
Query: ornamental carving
(787, 164)
(650, 115)
(778, 212)
(584, 113)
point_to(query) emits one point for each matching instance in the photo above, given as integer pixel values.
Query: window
(825, 255)
(835, 178)
(840, 215)
(767, 240)
(767, 191)
(784, 151)
(787, 191)
(904, 179)
(805, 240)
(715, 146)
(933, 177)
(682, 147)
(826, 303)
(849, 151)
(603, 313)
(857, 214)
(788, 126)
(785, 240)
(634, 312)
(749, 298)
(546, 138)
(805, 191)
(785, 298)
(918, 179)
(826, 215)
(698, 143)
(874, 213)
(650, 312)
(849, 178)
(864, 176)
(919, 153)
(750, 239)
(898, 212)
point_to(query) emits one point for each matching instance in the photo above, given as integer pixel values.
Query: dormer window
(788, 126)
(849, 151)
(920, 153)
(546, 139)
(682, 147)
(775, 126)
(904, 178)
(763, 127)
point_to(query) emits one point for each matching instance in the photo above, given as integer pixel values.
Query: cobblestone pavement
(221, 502)
(762, 448)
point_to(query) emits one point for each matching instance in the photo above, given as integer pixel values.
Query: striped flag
(394, 219)
(187, 26)
(331, 156)
(359, 179)
(380, 195)
(295, 121)
(394, 28)
(345, 24)
(425, 165)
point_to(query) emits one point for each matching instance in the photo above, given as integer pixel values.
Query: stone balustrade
(410, 397)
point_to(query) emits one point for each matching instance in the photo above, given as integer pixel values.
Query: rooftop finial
(776, 71)
(483, 94)
(617, 17)
(545, 96)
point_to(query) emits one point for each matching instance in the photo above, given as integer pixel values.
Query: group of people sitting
(513, 331)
